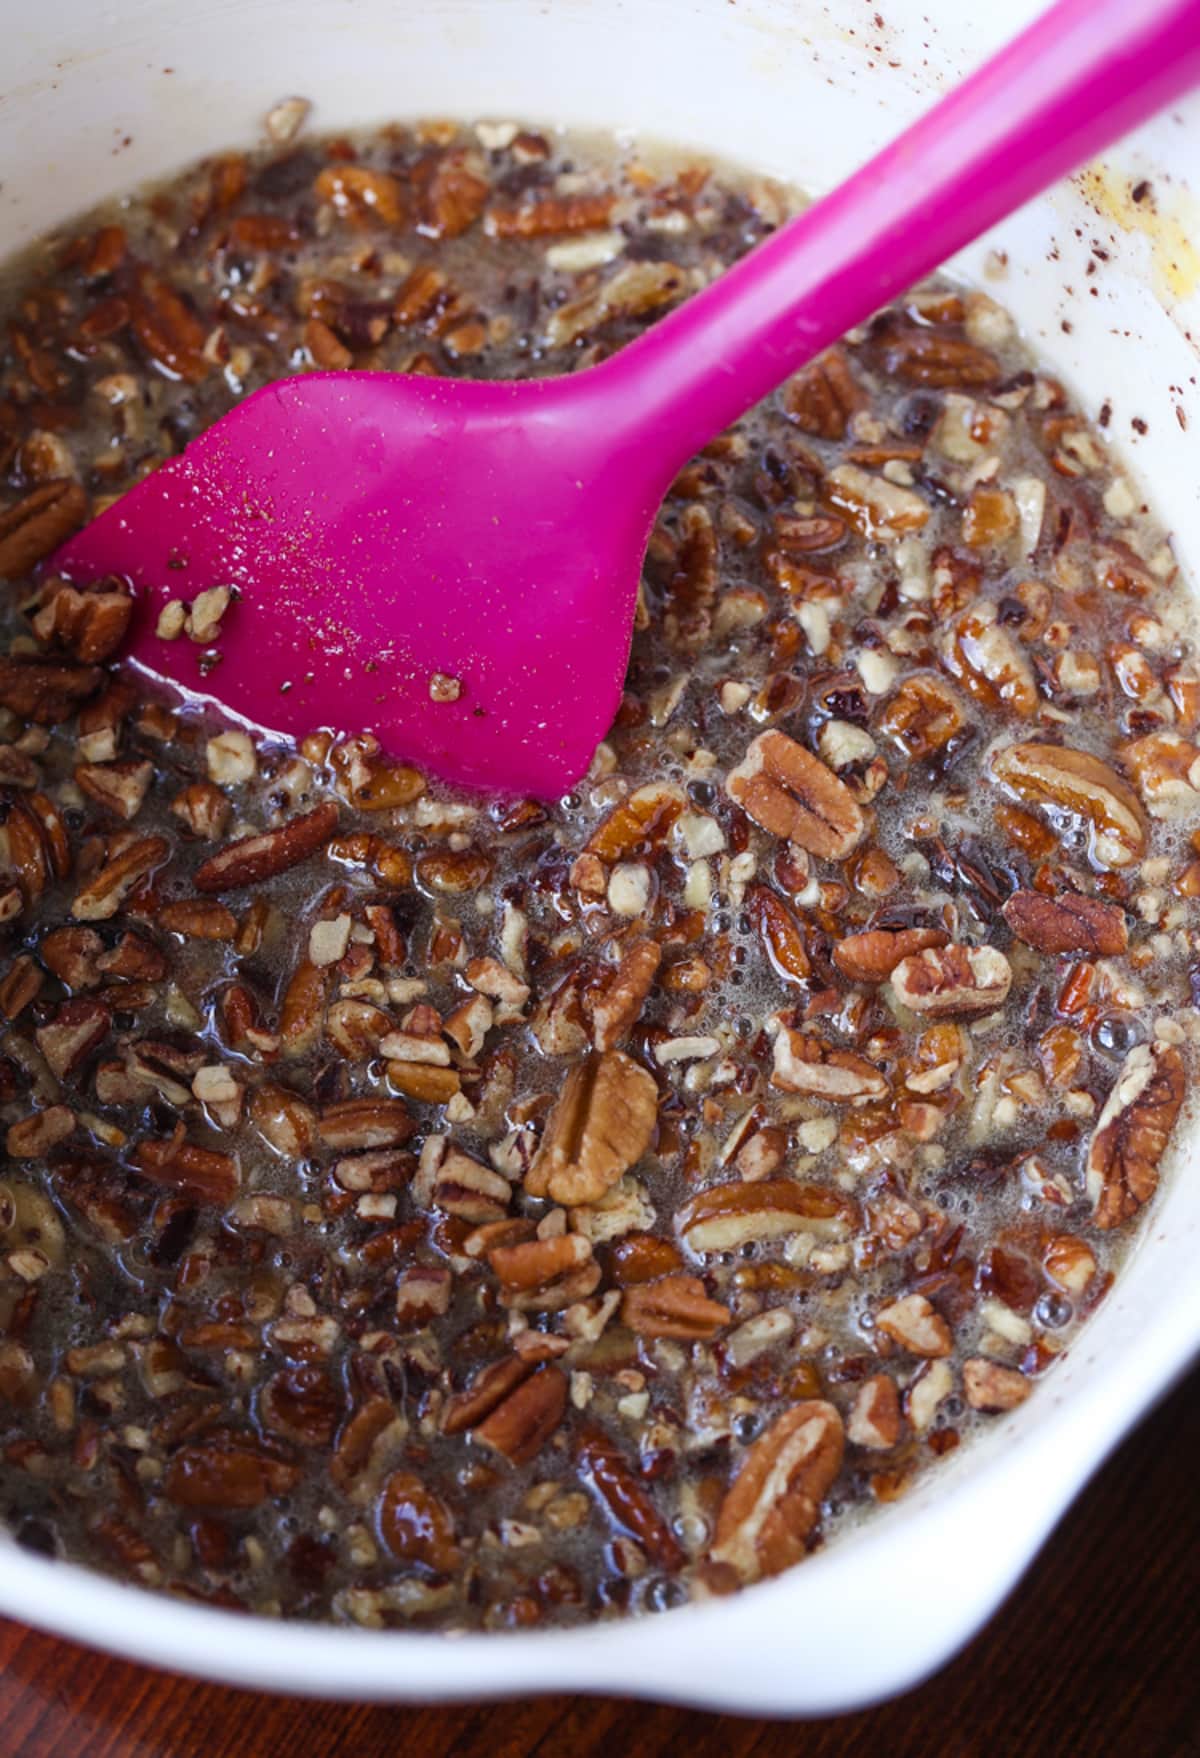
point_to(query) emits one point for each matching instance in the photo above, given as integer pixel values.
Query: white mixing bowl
(95, 97)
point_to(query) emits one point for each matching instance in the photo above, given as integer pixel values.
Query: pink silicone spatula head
(453, 566)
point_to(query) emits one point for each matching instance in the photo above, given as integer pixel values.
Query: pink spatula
(384, 532)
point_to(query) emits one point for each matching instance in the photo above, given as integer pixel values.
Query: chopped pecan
(77, 1029)
(791, 793)
(600, 1127)
(252, 859)
(20, 985)
(916, 1325)
(880, 510)
(923, 715)
(873, 956)
(605, 1468)
(487, 1390)
(979, 652)
(72, 954)
(773, 1504)
(541, 216)
(673, 1306)
(90, 625)
(199, 918)
(170, 333)
(953, 981)
(728, 1216)
(46, 517)
(119, 787)
(1132, 1131)
(988, 1386)
(1068, 922)
(875, 1419)
(806, 1064)
(1081, 783)
(641, 821)
(1166, 767)
(33, 1137)
(453, 197)
(357, 193)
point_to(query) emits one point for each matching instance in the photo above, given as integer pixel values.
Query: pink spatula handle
(1082, 75)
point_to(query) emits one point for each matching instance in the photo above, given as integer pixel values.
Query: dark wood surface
(1096, 1655)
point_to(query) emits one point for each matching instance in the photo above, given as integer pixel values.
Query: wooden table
(1097, 1655)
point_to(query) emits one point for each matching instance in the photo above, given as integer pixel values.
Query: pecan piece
(104, 894)
(988, 1386)
(520, 1425)
(1069, 922)
(642, 820)
(487, 1390)
(43, 692)
(119, 787)
(612, 1479)
(252, 859)
(34, 1136)
(673, 1306)
(76, 1030)
(1075, 780)
(791, 793)
(805, 1064)
(980, 653)
(198, 918)
(923, 715)
(616, 1010)
(416, 1525)
(875, 1419)
(599, 1128)
(541, 216)
(728, 1216)
(873, 956)
(780, 933)
(1132, 1131)
(37, 525)
(1166, 768)
(170, 333)
(357, 193)
(916, 1325)
(774, 1502)
(879, 510)
(953, 981)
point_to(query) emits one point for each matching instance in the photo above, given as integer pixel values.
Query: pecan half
(204, 1173)
(520, 1425)
(252, 859)
(805, 1064)
(780, 933)
(1075, 780)
(791, 793)
(611, 1477)
(616, 1010)
(673, 1306)
(416, 1525)
(1068, 922)
(599, 1128)
(228, 1474)
(773, 1504)
(1132, 1131)
(953, 981)
(823, 396)
(732, 1215)
(487, 1390)
(930, 357)
(104, 894)
(545, 1275)
(366, 1123)
(46, 517)
(873, 956)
